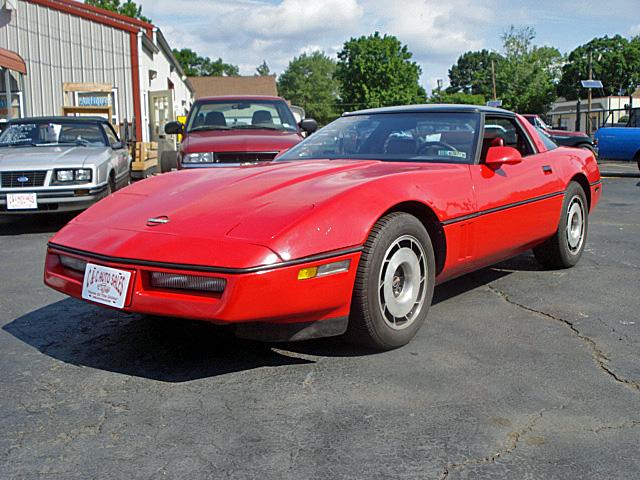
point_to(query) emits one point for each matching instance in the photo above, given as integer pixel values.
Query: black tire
(586, 146)
(168, 160)
(370, 324)
(560, 251)
(111, 184)
(638, 159)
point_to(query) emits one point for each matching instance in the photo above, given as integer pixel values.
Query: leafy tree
(128, 8)
(444, 96)
(528, 75)
(263, 69)
(472, 73)
(615, 62)
(196, 66)
(309, 82)
(377, 71)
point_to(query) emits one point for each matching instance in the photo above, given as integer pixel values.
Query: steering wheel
(429, 145)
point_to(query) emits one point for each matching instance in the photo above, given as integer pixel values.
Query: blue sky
(245, 32)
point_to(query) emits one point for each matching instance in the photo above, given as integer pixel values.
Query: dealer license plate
(105, 285)
(22, 201)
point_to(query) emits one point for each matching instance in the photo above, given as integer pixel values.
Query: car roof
(240, 97)
(440, 108)
(60, 118)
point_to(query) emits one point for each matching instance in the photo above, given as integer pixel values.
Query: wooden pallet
(145, 159)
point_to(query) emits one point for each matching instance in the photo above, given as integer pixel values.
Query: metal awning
(12, 61)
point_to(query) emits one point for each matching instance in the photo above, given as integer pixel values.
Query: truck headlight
(204, 157)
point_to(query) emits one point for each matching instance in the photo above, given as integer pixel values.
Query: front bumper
(273, 295)
(51, 200)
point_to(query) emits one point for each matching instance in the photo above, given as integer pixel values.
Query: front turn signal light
(324, 270)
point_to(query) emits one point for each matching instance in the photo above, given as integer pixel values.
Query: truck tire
(168, 160)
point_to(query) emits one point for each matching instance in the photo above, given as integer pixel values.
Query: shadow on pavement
(36, 223)
(177, 350)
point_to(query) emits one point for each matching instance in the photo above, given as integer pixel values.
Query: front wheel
(565, 248)
(394, 283)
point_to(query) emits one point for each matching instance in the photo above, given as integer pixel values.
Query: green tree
(528, 75)
(128, 8)
(472, 73)
(263, 69)
(196, 66)
(309, 82)
(444, 96)
(377, 71)
(615, 62)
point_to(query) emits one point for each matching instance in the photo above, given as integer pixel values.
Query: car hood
(216, 215)
(20, 158)
(239, 141)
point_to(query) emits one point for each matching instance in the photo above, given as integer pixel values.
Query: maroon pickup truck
(562, 137)
(236, 130)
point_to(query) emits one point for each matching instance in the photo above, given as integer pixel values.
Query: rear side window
(546, 139)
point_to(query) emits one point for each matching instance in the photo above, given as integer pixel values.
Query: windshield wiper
(257, 127)
(208, 127)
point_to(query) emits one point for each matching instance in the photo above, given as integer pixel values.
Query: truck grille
(33, 179)
(244, 157)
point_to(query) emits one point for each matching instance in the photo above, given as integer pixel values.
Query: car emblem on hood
(22, 179)
(153, 221)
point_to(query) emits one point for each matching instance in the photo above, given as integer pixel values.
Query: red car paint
(256, 226)
(236, 141)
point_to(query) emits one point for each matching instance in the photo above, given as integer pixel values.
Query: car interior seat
(215, 119)
(401, 145)
(490, 140)
(261, 117)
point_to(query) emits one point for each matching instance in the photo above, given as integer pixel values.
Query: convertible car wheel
(394, 283)
(564, 249)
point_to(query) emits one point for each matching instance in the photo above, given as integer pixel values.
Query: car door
(517, 205)
(119, 154)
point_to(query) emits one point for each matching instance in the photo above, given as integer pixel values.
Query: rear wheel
(638, 159)
(394, 283)
(565, 248)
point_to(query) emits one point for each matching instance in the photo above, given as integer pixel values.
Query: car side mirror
(309, 125)
(117, 145)
(498, 156)
(174, 128)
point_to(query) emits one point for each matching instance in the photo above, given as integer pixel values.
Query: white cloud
(246, 32)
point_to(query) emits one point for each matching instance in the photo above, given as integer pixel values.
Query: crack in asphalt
(513, 437)
(598, 355)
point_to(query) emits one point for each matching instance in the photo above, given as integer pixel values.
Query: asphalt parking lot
(519, 374)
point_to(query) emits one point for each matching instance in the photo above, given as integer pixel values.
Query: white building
(62, 57)
(564, 113)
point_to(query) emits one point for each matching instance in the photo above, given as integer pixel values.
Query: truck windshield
(241, 114)
(423, 137)
(52, 133)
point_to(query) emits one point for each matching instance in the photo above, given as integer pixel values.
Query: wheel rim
(575, 224)
(402, 282)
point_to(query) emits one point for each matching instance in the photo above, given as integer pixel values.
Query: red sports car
(347, 232)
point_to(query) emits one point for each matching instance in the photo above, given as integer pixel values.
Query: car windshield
(423, 137)
(52, 133)
(241, 114)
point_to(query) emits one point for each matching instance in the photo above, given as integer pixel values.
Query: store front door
(161, 112)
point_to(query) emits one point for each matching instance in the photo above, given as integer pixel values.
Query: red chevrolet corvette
(346, 232)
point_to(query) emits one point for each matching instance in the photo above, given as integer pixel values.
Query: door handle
(547, 169)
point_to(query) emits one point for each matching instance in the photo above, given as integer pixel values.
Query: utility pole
(589, 94)
(493, 78)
